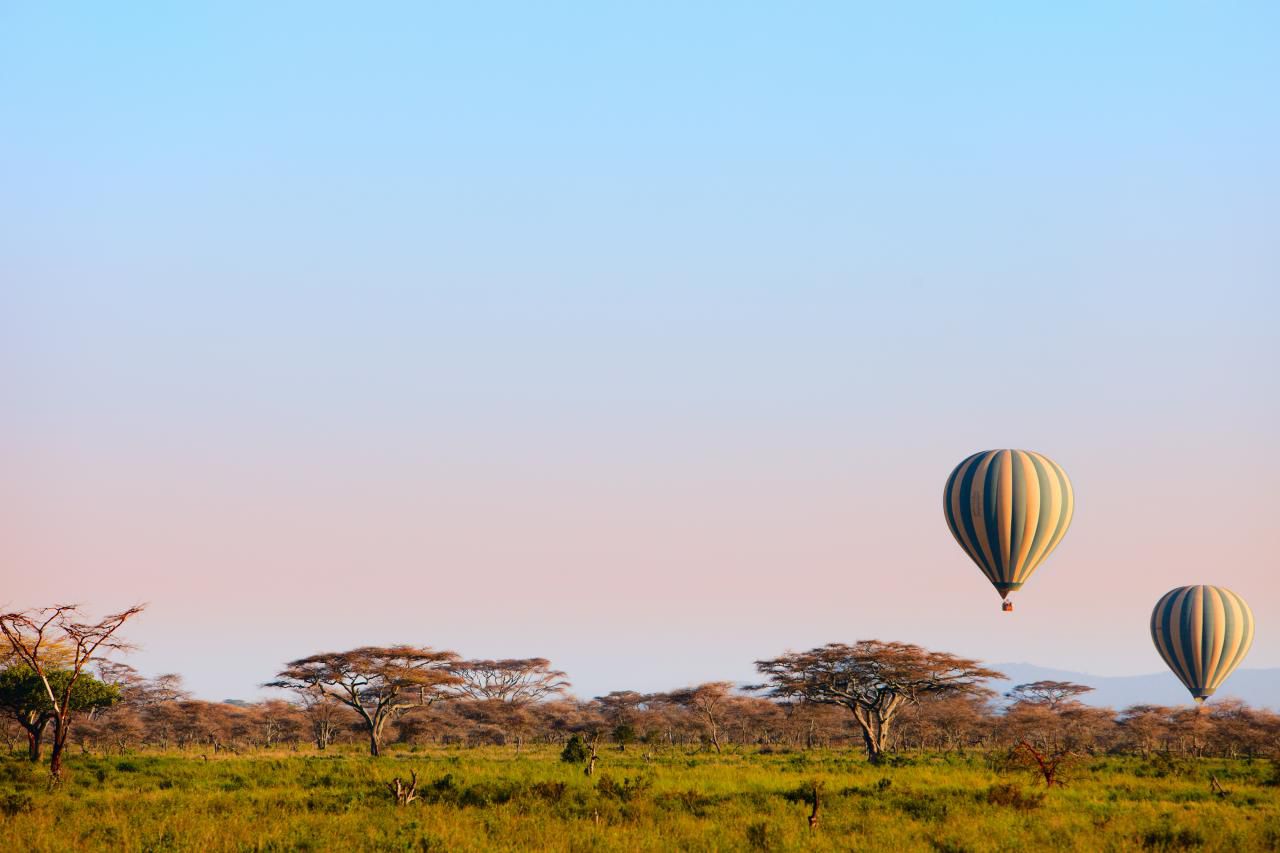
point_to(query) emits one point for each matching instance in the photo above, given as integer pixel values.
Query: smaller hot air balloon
(1202, 632)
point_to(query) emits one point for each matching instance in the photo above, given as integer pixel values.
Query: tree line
(883, 698)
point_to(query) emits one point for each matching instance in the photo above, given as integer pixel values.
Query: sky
(641, 337)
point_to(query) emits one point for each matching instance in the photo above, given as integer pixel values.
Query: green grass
(490, 799)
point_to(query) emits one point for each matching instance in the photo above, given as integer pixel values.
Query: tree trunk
(61, 729)
(875, 728)
(374, 748)
(874, 745)
(34, 745)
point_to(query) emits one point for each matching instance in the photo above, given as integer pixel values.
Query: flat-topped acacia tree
(1054, 695)
(502, 690)
(873, 679)
(377, 682)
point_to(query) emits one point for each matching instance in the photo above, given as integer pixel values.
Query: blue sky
(631, 317)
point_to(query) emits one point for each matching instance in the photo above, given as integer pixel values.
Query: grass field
(490, 799)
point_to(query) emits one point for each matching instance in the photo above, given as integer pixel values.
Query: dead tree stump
(404, 794)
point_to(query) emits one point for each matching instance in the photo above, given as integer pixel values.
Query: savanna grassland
(492, 799)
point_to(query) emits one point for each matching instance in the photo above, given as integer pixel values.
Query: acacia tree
(708, 701)
(34, 634)
(377, 682)
(504, 689)
(872, 679)
(1054, 695)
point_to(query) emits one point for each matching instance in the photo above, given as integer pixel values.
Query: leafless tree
(376, 682)
(873, 679)
(32, 634)
(1049, 764)
(324, 714)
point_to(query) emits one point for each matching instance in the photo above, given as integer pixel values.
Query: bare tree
(1054, 695)
(873, 679)
(708, 701)
(32, 634)
(1049, 764)
(376, 682)
(324, 715)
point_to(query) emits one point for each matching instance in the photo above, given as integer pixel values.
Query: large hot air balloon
(1008, 509)
(1202, 632)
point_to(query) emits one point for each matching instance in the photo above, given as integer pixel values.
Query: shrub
(924, 808)
(628, 790)
(552, 792)
(694, 802)
(623, 734)
(575, 751)
(1167, 838)
(16, 804)
(1012, 796)
(758, 837)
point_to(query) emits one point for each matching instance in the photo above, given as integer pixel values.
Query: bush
(923, 807)
(758, 837)
(1168, 838)
(1012, 796)
(623, 734)
(694, 802)
(17, 803)
(552, 792)
(628, 790)
(575, 751)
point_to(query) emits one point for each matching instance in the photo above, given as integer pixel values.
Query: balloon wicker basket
(1006, 606)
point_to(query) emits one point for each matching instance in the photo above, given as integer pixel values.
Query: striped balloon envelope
(1008, 509)
(1202, 632)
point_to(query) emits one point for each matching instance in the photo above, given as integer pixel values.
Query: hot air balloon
(1202, 632)
(1008, 509)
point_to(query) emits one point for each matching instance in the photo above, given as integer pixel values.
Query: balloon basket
(1006, 606)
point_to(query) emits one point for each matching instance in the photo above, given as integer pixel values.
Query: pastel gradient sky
(641, 339)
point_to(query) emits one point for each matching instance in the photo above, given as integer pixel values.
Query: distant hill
(1258, 687)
